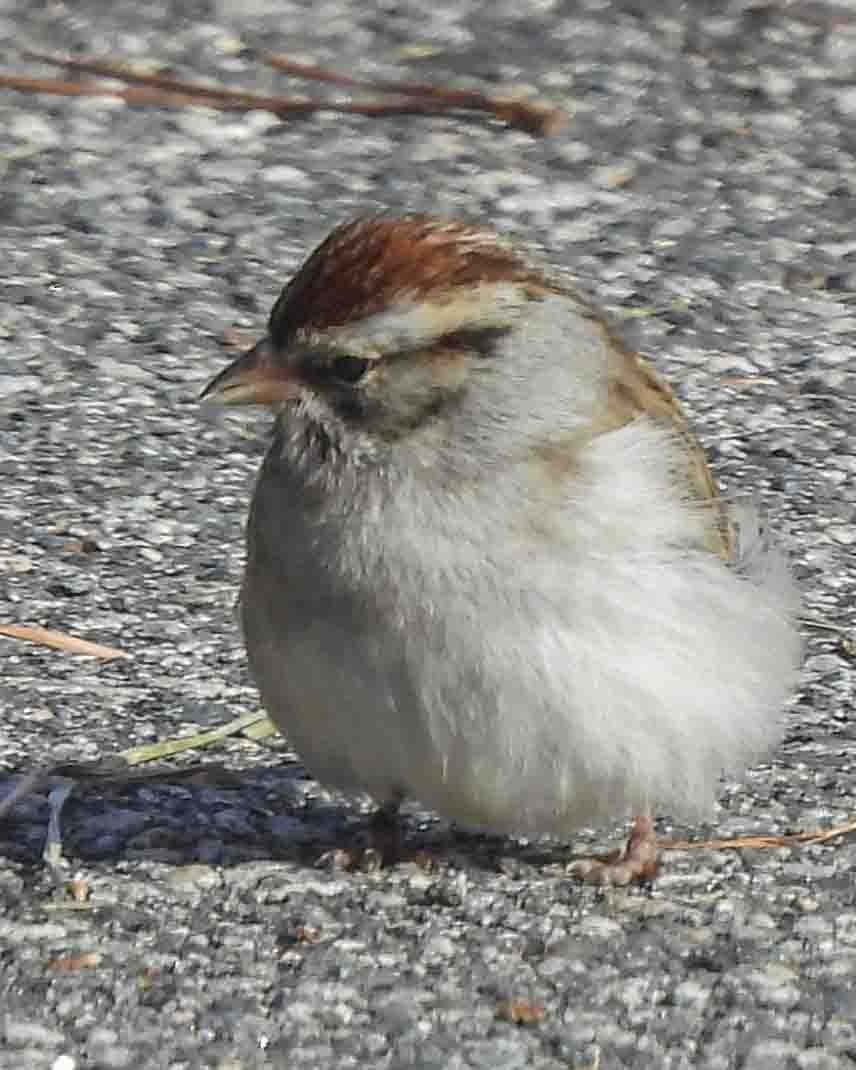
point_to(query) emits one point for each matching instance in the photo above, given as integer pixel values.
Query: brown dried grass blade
(795, 839)
(32, 633)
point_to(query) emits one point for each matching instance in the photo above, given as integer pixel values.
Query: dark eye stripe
(350, 369)
(481, 340)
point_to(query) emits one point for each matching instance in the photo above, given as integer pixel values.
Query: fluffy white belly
(554, 711)
(526, 680)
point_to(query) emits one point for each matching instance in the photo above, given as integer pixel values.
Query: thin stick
(282, 107)
(794, 839)
(32, 633)
(59, 87)
(132, 76)
(417, 98)
(533, 117)
(111, 772)
(52, 850)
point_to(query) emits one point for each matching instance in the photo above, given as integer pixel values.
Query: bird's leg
(385, 833)
(635, 863)
(384, 842)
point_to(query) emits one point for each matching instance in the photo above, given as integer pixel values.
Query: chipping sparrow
(487, 565)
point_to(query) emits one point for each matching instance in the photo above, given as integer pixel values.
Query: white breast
(532, 684)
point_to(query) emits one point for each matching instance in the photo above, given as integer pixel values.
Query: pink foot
(635, 863)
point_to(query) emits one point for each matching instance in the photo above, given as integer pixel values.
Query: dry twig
(32, 633)
(530, 116)
(794, 839)
(411, 98)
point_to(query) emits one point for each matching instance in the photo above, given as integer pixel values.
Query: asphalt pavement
(703, 189)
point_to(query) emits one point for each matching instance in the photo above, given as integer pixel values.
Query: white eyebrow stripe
(413, 322)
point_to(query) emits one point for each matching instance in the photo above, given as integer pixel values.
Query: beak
(255, 378)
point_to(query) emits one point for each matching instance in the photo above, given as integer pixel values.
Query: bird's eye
(350, 369)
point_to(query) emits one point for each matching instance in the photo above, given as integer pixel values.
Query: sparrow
(488, 567)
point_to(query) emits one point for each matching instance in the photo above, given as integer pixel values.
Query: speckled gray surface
(705, 191)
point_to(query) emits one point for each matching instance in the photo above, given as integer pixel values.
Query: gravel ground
(704, 191)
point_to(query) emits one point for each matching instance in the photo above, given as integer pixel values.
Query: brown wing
(636, 390)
